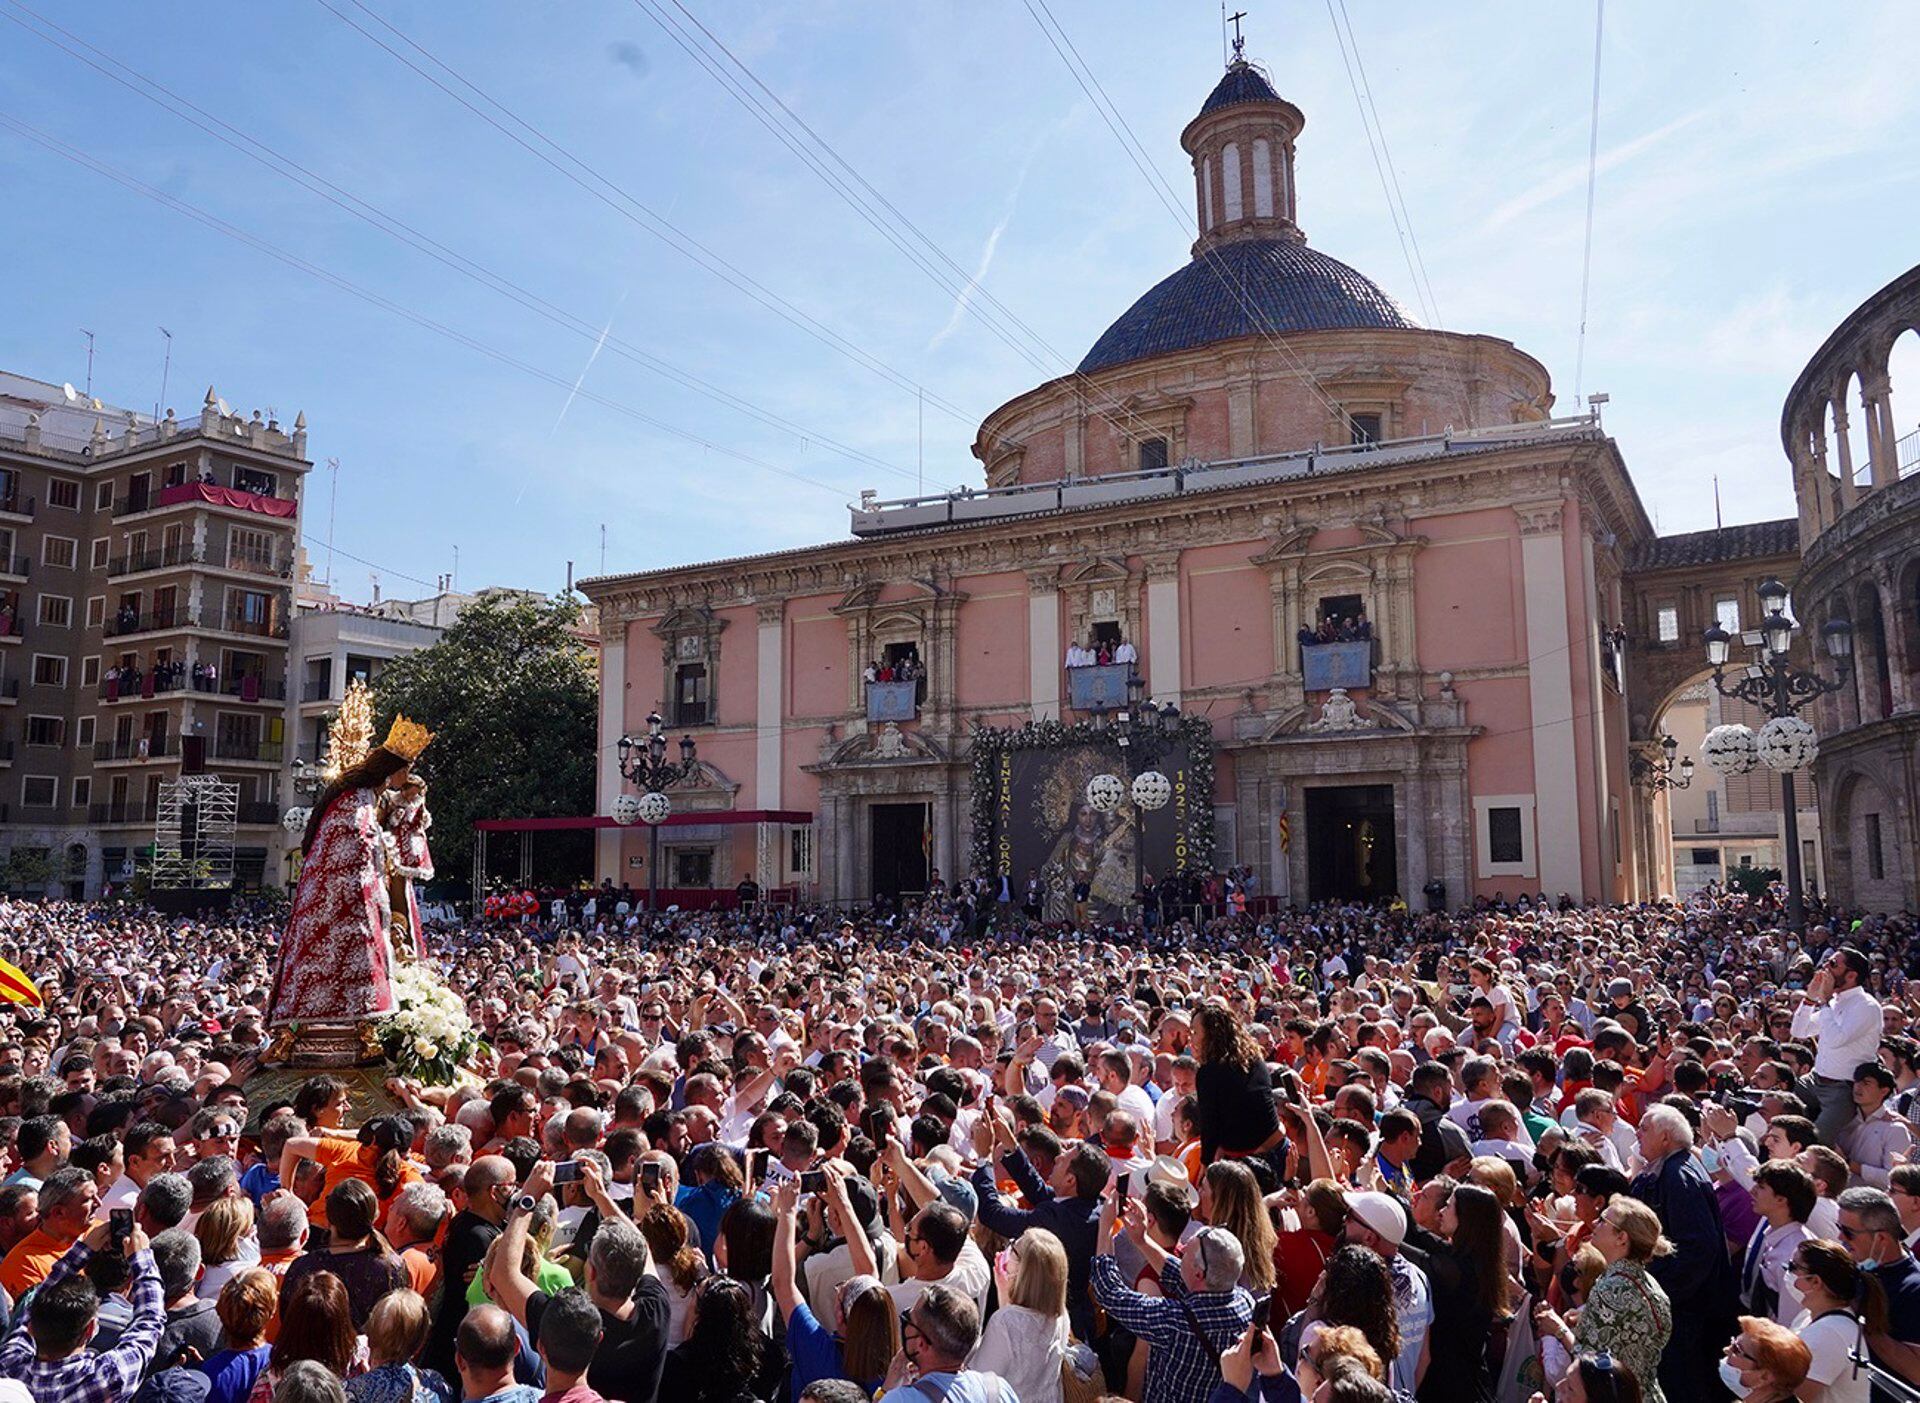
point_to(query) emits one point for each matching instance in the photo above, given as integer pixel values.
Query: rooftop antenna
(603, 547)
(1718, 525)
(1239, 39)
(333, 500)
(165, 366)
(920, 460)
(456, 567)
(89, 335)
(1223, 33)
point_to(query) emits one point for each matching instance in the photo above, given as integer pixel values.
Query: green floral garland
(989, 743)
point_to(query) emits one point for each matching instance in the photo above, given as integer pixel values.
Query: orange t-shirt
(345, 1159)
(27, 1265)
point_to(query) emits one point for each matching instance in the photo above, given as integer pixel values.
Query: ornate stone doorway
(900, 839)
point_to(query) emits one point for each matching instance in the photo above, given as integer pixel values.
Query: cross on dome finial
(1239, 39)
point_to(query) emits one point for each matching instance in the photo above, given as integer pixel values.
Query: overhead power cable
(630, 207)
(818, 155)
(1383, 161)
(1593, 172)
(258, 151)
(387, 304)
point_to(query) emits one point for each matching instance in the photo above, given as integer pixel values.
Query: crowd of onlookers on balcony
(906, 669)
(1336, 628)
(1102, 652)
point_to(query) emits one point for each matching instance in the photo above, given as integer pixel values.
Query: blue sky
(1758, 179)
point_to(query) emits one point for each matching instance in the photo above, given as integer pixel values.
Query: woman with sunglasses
(1627, 1314)
(1838, 1296)
(1765, 1362)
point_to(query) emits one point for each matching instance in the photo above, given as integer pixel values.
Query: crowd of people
(1337, 628)
(1338, 1154)
(1102, 652)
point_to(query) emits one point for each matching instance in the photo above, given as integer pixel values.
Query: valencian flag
(16, 988)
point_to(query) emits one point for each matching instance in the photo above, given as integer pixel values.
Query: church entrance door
(1351, 848)
(899, 848)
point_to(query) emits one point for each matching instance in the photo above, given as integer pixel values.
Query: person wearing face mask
(1870, 1231)
(1765, 1362)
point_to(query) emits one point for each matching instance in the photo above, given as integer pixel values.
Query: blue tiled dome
(1282, 286)
(1242, 83)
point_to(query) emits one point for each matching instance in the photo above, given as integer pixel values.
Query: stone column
(1163, 626)
(1879, 447)
(769, 691)
(1044, 654)
(1893, 626)
(1556, 789)
(613, 722)
(1844, 449)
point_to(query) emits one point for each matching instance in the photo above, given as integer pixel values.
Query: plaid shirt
(89, 1376)
(1181, 1367)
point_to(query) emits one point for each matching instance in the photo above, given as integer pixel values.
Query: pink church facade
(1265, 439)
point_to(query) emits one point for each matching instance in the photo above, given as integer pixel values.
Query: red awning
(697, 818)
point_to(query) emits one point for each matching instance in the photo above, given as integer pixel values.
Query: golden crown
(406, 739)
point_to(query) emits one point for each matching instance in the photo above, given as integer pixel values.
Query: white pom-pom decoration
(1730, 750)
(654, 807)
(626, 808)
(1151, 790)
(294, 820)
(1104, 793)
(1788, 743)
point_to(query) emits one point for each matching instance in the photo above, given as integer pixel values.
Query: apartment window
(96, 610)
(84, 732)
(1365, 427)
(102, 496)
(252, 480)
(1667, 624)
(56, 610)
(39, 791)
(49, 670)
(102, 546)
(46, 730)
(59, 551)
(89, 672)
(1876, 855)
(248, 548)
(63, 492)
(1153, 454)
(1726, 613)
(1505, 832)
(82, 791)
(1705, 857)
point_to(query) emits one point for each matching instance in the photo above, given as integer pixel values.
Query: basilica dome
(1248, 287)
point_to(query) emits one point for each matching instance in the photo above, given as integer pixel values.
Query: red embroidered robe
(335, 958)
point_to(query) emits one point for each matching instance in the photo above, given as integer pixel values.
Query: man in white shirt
(1126, 653)
(1845, 1023)
(940, 1253)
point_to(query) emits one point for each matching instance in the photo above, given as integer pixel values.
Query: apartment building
(146, 571)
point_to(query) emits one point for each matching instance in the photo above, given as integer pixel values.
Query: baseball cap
(1382, 1213)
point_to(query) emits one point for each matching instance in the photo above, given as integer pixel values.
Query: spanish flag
(16, 988)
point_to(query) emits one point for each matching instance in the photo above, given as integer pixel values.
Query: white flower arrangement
(428, 1036)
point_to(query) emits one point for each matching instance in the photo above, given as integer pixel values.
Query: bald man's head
(489, 1183)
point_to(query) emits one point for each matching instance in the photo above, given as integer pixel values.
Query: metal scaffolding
(193, 832)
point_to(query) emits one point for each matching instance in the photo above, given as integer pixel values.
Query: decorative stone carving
(1538, 518)
(1337, 714)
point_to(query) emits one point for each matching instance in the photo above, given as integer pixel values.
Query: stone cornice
(1436, 486)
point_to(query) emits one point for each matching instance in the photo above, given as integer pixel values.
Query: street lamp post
(644, 764)
(1141, 732)
(1778, 688)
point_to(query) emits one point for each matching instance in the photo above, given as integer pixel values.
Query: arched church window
(1230, 180)
(1262, 178)
(1206, 193)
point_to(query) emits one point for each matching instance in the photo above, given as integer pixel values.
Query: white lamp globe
(1151, 790)
(654, 807)
(626, 808)
(1787, 743)
(1104, 793)
(294, 820)
(1730, 750)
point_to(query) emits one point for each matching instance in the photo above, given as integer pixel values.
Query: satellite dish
(73, 395)
(224, 411)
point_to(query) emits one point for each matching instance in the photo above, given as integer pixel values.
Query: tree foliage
(512, 697)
